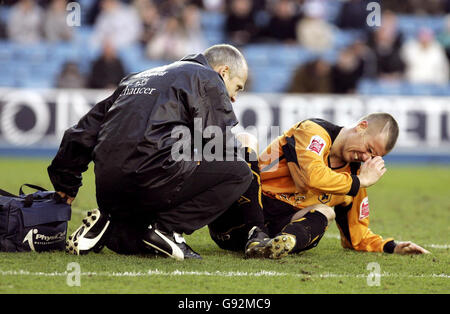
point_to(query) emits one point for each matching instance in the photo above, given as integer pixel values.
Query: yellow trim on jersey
(259, 188)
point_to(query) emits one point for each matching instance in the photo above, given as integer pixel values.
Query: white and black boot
(172, 245)
(91, 235)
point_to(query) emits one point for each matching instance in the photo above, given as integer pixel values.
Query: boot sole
(276, 248)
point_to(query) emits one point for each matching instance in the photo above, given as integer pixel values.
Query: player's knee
(233, 240)
(326, 211)
(229, 231)
(248, 140)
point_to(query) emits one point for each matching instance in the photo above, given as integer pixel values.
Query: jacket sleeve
(213, 114)
(217, 109)
(75, 151)
(304, 151)
(353, 222)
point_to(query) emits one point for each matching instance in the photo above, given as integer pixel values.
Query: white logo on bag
(29, 238)
(42, 239)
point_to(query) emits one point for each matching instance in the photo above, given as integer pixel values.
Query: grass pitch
(409, 203)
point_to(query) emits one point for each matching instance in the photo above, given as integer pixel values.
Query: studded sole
(72, 244)
(280, 246)
(276, 248)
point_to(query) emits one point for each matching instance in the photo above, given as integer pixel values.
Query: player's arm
(353, 222)
(75, 151)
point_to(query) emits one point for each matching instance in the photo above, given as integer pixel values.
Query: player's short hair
(224, 54)
(383, 122)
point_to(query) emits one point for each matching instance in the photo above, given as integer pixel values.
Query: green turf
(409, 203)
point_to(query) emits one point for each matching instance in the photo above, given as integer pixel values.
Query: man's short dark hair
(383, 122)
(225, 54)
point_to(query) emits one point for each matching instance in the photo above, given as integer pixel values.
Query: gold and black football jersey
(295, 169)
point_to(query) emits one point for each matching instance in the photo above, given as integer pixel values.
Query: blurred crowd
(170, 29)
(381, 53)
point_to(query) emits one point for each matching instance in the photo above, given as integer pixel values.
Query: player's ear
(362, 126)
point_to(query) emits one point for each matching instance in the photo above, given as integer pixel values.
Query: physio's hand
(409, 248)
(371, 171)
(69, 198)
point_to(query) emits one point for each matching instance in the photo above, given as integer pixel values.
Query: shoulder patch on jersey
(317, 144)
(364, 208)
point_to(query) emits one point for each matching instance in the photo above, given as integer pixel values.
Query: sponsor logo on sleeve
(364, 208)
(317, 144)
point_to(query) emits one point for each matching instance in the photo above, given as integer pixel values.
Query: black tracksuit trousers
(205, 195)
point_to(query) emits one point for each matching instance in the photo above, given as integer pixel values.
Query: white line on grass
(261, 273)
(327, 235)
(433, 246)
(438, 246)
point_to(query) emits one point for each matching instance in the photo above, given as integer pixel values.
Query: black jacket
(128, 135)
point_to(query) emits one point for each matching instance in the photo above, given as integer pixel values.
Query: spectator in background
(151, 19)
(213, 5)
(367, 59)
(313, 31)
(117, 22)
(353, 15)
(3, 34)
(444, 36)
(386, 41)
(25, 22)
(55, 24)
(347, 71)
(70, 77)
(169, 42)
(107, 70)
(170, 8)
(425, 60)
(240, 25)
(416, 7)
(312, 77)
(195, 39)
(177, 37)
(283, 23)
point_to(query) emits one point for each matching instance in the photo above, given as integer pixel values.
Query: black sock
(307, 230)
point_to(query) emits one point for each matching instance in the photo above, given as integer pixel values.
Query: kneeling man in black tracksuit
(140, 185)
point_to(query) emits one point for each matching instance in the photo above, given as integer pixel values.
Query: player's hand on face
(409, 248)
(371, 171)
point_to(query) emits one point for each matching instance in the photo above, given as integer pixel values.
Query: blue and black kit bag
(33, 222)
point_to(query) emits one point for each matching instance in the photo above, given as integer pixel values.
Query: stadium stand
(271, 64)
